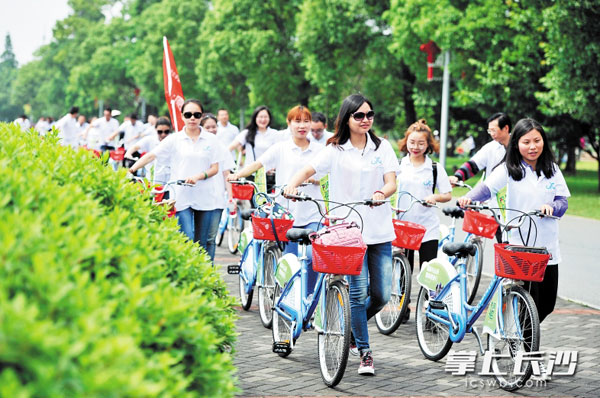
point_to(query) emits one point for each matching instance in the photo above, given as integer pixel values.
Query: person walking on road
(361, 165)
(69, 129)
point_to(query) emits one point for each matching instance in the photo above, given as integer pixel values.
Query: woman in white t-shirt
(257, 137)
(417, 178)
(287, 157)
(192, 157)
(534, 182)
(361, 166)
(147, 144)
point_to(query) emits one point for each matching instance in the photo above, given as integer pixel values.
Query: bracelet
(380, 193)
(205, 175)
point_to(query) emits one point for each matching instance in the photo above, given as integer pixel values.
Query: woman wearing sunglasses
(193, 156)
(361, 166)
(148, 143)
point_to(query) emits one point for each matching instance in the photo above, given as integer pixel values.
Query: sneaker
(366, 364)
(544, 376)
(353, 347)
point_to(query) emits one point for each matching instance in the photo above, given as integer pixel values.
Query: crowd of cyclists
(359, 164)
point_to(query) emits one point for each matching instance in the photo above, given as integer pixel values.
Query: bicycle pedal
(233, 269)
(437, 305)
(282, 347)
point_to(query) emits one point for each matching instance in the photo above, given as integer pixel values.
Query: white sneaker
(366, 364)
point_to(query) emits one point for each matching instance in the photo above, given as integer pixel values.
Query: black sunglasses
(359, 116)
(188, 115)
(163, 131)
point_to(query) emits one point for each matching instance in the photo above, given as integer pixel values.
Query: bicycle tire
(391, 316)
(265, 292)
(334, 342)
(474, 267)
(246, 299)
(234, 231)
(433, 337)
(510, 343)
(281, 329)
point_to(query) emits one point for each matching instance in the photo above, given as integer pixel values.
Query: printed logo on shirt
(207, 148)
(551, 186)
(377, 161)
(428, 183)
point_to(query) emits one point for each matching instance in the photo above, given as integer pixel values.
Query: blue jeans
(370, 291)
(292, 247)
(200, 226)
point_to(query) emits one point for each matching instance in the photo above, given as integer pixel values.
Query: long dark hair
(252, 127)
(342, 131)
(545, 163)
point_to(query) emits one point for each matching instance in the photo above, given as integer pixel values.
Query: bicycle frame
(451, 237)
(256, 277)
(308, 304)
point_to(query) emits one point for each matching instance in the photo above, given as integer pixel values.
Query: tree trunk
(409, 104)
(571, 168)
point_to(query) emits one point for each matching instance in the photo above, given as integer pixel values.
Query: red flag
(173, 90)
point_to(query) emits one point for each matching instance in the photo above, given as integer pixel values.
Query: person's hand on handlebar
(463, 201)
(378, 198)
(453, 180)
(431, 200)
(233, 177)
(547, 210)
(290, 190)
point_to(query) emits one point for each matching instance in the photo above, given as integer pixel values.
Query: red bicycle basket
(242, 191)
(521, 265)
(118, 154)
(262, 228)
(408, 234)
(338, 250)
(479, 224)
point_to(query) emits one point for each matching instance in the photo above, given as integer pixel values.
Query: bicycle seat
(299, 235)
(460, 249)
(454, 212)
(247, 213)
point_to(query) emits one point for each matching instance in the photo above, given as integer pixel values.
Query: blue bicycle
(444, 316)
(474, 265)
(294, 307)
(232, 223)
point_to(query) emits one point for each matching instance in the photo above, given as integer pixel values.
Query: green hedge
(100, 296)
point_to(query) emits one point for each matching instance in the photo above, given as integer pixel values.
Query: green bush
(100, 295)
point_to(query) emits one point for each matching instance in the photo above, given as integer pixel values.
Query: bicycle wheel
(433, 337)
(282, 328)
(334, 341)
(265, 292)
(246, 299)
(219, 238)
(474, 266)
(521, 334)
(234, 230)
(391, 316)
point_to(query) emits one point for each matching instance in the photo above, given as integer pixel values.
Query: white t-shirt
(24, 124)
(105, 128)
(418, 181)
(131, 131)
(187, 158)
(262, 141)
(323, 141)
(68, 131)
(287, 158)
(226, 134)
(528, 194)
(354, 176)
(487, 158)
(42, 127)
(161, 168)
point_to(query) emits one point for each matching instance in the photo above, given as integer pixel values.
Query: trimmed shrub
(100, 295)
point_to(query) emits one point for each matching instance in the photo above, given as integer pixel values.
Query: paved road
(401, 369)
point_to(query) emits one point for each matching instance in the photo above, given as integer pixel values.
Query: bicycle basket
(118, 154)
(520, 262)
(408, 234)
(338, 250)
(268, 215)
(242, 191)
(479, 224)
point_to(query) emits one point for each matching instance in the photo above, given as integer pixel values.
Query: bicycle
(259, 260)
(444, 315)
(231, 220)
(408, 237)
(329, 302)
(477, 229)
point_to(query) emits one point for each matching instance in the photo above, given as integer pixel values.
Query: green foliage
(100, 295)
(9, 110)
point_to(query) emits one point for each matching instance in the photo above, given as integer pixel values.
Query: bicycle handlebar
(413, 201)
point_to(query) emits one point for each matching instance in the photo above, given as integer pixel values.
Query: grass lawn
(584, 200)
